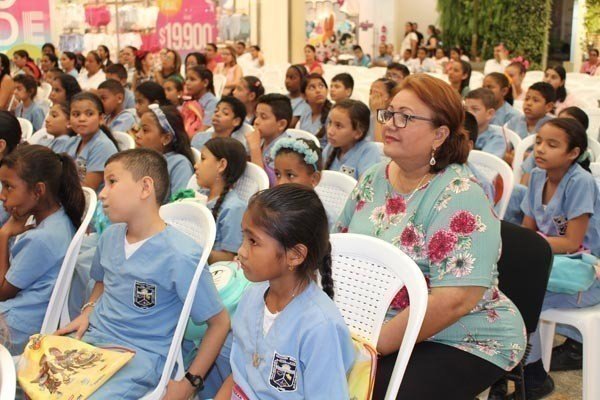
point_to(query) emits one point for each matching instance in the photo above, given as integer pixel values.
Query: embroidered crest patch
(283, 373)
(144, 295)
(348, 170)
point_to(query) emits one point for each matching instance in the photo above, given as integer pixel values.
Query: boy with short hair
(480, 103)
(397, 72)
(227, 121)
(342, 86)
(142, 271)
(117, 118)
(539, 102)
(273, 117)
(118, 72)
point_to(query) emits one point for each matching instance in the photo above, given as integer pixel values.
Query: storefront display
(233, 18)
(24, 24)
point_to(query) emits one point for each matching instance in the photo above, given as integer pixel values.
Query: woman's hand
(179, 390)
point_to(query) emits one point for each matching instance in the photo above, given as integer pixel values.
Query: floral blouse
(449, 229)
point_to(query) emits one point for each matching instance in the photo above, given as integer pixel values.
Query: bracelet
(86, 305)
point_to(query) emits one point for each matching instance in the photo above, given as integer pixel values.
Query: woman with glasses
(426, 202)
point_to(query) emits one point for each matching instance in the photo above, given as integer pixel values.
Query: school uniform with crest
(357, 160)
(303, 352)
(145, 286)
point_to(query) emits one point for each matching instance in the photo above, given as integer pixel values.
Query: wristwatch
(196, 380)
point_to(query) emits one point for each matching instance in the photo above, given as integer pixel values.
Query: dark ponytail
(204, 74)
(254, 86)
(293, 214)
(35, 164)
(577, 137)
(234, 152)
(89, 96)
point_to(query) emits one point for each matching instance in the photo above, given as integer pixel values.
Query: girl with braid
(289, 338)
(222, 163)
(314, 119)
(347, 151)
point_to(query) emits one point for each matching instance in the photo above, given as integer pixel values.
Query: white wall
(423, 12)
(273, 25)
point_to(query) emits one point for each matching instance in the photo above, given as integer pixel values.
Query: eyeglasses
(400, 119)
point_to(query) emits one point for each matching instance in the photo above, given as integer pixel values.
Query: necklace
(417, 187)
(256, 358)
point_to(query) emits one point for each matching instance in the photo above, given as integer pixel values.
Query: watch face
(194, 380)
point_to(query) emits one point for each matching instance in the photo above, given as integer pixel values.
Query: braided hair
(326, 106)
(234, 153)
(293, 214)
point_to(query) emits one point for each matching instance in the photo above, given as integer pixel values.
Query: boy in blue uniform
(119, 73)
(143, 269)
(117, 118)
(539, 102)
(227, 121)
(480, 103)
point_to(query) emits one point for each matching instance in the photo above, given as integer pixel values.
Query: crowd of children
(287, 336)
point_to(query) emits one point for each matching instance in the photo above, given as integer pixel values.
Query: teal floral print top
(449, 229)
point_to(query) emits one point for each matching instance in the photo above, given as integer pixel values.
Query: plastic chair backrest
(219, 82)
(26, 129)
(594, 147)
(57, 313)
(196, 154)
(40, 135)
(124, 140)
(253, 180)
(196, 221)
(333, 190)
(511, 137)
(520, 151)
(594, 125)
(8, 375)
(301, 134)
(490, 166)
(44, 90)
(595, 168)
(367, 274)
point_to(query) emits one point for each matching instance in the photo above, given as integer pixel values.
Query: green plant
(591, 21)
(480, 24)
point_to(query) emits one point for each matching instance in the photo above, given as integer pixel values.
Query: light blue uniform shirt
(33, 114)
(229, 222)
(484, 182)
(576, 194)
(519, 125)
(35, 260)
(59, 143)
(200, 138)
(129, 99)
(299, 106)
(306, 123)
(180, 171)
(492, 141)
(305, 354)
(357, 160)
(123, 121)
(505, 114)
(209, 104)
(144, 294)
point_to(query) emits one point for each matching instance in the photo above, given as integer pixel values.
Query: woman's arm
(573, 239)
(445, 306)
(7, 88)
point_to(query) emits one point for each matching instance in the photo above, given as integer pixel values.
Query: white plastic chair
(594, 126)
(587, 321)
(57, 313)
(219, 82)
(301, 134)
(594, 147)
(43, 92)
(367, 274)
(39, 136)
(196, 154)
(26, 129)
(491, 165)
(124, 140)
(511, 137)
(518, 159)
(8, 375)
(595, 168)
(196, 221)
(333, 190)
(253, 180)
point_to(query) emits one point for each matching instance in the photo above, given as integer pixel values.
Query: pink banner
(186, 25)
(24, 24)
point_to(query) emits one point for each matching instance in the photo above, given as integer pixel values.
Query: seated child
(161, 129)
(563, 204)
(480, 102)
(64, 87)
(273, 117)
(10, 137)
(294, 78)
(473, 130)
(342, 86)
(143, 268)
(116, 117)
(347, 151)
(539, 102)
(198, 111)
(381, 93)
(93, 143)
(148, 93)
(174, 91)
(503, 98)
(227, 121)
(314, 120)
(25, 92)
(118, 72)
(222, 163)
(397, 72)
(57, 127)
(33, 181)
(288, 335)
(248, 91)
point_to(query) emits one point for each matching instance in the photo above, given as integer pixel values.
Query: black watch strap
(196, 380)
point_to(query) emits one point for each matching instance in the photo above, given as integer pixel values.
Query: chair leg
(591, 360)
(547, 329)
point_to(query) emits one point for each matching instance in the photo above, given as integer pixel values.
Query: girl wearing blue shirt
(563, 204)
(499, 84)
(10, 137)
(294, 78)
(57, 127)
(289, 339)
(347, 151)
(314, 119)
(93, 144)
(161, 129)
(198, 111)
(40, 184)
(222, 163)
(25, 92)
